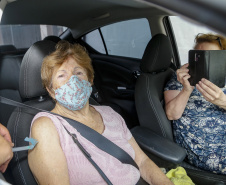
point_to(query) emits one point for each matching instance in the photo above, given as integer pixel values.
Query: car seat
(53, 38)
(155, 72)
(149, 99)
(7, 48)
(10, 61)
(30, 87)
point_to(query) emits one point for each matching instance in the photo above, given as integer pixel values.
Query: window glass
(185, 33)
(23, 36)
(126, 38)
(95, 41)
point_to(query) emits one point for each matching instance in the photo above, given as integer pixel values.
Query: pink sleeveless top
(81, 171)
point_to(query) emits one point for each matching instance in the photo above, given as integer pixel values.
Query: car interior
(132, 86)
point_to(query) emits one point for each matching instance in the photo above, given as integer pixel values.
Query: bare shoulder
(43, 128)
(42, 123)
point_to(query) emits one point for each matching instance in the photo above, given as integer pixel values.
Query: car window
(95, 41)
(23, 36)
(127, 38)
(185, 33)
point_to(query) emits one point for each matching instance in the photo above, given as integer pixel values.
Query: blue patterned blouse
(201, 130)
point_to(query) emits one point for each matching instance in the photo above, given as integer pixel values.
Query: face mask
(74, 94)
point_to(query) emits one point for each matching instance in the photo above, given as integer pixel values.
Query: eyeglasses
(208, 36)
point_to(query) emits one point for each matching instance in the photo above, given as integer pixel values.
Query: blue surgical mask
(74, 94)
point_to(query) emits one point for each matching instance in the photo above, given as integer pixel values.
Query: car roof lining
(87, 14)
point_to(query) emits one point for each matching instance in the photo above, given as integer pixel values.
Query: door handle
(136, 74)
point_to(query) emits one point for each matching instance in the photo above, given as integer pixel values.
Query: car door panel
(115, 79)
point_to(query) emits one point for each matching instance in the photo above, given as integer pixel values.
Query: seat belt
(94, 137)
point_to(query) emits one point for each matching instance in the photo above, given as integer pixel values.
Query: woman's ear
(51, 92)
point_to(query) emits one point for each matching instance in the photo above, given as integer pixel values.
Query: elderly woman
(199, 113)
(67, 75)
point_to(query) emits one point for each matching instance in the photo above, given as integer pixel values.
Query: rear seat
(10, 61)
(7, 48)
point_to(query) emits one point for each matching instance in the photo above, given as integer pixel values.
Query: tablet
(208, 64)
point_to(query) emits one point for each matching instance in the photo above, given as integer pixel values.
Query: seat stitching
(25, 72)
(153, 107)
(16, 155)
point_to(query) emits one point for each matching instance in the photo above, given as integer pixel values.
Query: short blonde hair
(211, 38)
(63, 51)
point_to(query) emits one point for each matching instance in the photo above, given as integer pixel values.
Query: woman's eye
(79, 73)
(60, 76)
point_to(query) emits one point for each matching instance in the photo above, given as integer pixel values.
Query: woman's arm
(176, 101)
(150, 172)
(212, 93)
(47, 160)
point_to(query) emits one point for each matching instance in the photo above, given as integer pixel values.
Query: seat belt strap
(94, 137)
(97, 139)
(88, 156)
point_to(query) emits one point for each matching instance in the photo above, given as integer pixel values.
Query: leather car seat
(30, 87)
(53, 38)
(155, 72)
(7, 48)
(10, 62)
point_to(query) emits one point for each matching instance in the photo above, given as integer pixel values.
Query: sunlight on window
(0, 15)
(185, 33)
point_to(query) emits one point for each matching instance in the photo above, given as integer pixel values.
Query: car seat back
(30, 87)
(149, 98)
(10, 61)
(7, 48)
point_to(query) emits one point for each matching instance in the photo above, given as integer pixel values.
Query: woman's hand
(212, 93)
(6, 145)
(5, 133)
(183, 76)
(6, 156)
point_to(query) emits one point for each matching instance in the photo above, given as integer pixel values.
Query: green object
(179, 177)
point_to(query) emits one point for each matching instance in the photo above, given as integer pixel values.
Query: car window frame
(170, 33)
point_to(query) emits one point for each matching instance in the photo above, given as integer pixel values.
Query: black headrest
(10, 71)
(30, 84)
(157, 55)
(53, 38)
(6, 48)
